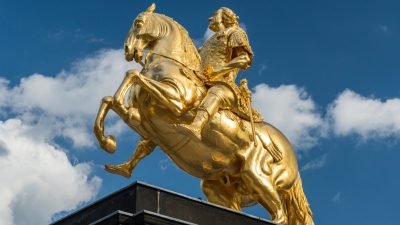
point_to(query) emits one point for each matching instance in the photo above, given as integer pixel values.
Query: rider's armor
(217, 52)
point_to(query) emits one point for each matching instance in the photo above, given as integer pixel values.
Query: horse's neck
(169, 45)
(175, 45)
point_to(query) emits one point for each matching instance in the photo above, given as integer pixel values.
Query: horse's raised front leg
(143, 148)
(116, 103)
(107, 143)
(119, 97)
(165, 93)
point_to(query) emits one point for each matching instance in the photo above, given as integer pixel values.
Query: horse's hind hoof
(281, 221)
(109, 144)
(120, 169)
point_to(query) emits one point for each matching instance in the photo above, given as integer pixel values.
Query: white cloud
(315, 164)
(76, 92)
(337, 198)
(65, 105)
(291, 110)
(164, 164)
(200, 41)
(353, 114)
(208, 34)
(3, 93)
(262, 68)
(243, 26)
(37, 179)
(384, 29)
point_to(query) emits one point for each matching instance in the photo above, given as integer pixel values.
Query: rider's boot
(209, 106)
(194, 129)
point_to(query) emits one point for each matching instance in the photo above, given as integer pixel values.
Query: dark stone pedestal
(143, 204)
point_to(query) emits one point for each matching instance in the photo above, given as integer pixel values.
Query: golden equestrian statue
(186, 102)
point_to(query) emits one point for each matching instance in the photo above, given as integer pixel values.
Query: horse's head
(164, 36)
(141, 35)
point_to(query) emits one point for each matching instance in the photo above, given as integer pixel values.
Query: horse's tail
(299, 212)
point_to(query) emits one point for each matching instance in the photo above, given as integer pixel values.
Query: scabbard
(251, 121)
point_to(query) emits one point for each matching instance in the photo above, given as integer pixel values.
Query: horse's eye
(138, 24)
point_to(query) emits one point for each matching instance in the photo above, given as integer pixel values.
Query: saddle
(241, 106)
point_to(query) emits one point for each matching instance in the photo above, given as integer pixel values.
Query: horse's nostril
(126, 49)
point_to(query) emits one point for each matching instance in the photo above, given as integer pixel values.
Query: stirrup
(189, 130)
(118, 169)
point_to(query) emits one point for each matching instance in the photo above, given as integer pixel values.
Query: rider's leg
(217, 97)
(208, 108)
(144, 148)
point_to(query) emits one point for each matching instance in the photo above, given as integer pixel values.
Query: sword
(251, 120)
(247, 95)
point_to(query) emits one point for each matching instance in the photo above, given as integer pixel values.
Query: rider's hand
(208, 71)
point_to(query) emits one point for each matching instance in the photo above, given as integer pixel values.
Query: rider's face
(216, 21)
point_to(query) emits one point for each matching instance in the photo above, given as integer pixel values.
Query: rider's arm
(241, 60)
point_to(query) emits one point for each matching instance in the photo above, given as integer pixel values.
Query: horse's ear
(151, 8)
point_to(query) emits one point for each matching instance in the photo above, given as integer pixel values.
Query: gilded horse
(235, 169)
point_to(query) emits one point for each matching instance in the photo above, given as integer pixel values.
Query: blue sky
(330, 67)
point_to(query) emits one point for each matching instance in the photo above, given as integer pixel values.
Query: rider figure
(224, 53)
(222, 56)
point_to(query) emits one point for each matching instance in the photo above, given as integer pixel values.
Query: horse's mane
(187, 41)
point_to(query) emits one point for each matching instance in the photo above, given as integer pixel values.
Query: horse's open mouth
(131, 54)
(135, 55)
(128, 57)
(138, 55)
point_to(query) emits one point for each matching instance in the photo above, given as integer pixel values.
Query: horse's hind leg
(218, 193)
(266, 194)
(143, 148)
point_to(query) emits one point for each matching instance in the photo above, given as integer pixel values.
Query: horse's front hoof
(109, 144)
